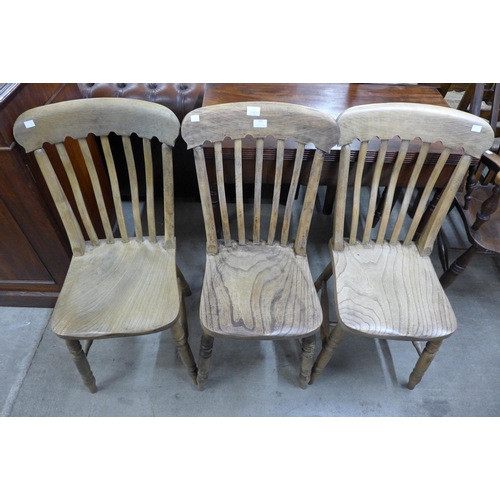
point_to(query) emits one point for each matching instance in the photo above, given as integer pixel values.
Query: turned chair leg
(424, 361)
(326, 353)
(183, 316)
(206, 346)
(308, 345)
(325, 308)
(180, 337)
(82, 364)
(324, 276)
(457, 268)
(186, 290)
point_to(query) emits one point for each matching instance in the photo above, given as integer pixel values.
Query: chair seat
(259, 291)
(118, 289)
(390, 291)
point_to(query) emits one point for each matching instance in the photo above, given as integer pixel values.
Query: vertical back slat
(259, 158)
(426, 195)
(168, 192)
(68, 218)
(390, 191)
(150, 200)
(206, 200)
(89, 162)
(374, 190)
(280, 154)
(134, 188)
(219, 172)
(341, 198)
(77, 193)
(238, 174)
(299, 156)
(429, 234)
(309, 202)
(422, 155)
(115, 188)
(356, 196)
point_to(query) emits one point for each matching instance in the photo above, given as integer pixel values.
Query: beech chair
(258, 285)
(385, 285)
(116, 286)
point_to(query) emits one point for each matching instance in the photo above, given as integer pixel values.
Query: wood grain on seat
(261, 291)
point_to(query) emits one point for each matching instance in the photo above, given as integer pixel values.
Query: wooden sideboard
(34, 251)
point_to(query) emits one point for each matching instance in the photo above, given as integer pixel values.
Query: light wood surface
(124, 117)
(390, 291)
(259, 285)
(119, 289)
(385, 285)
(259, 292)
(127, 284)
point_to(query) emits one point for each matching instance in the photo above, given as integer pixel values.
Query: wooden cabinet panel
(34, 251)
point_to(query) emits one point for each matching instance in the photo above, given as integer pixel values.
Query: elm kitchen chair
(385, 285)
(258, 285)
(117, 286)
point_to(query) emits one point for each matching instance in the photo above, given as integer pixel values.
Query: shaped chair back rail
(385, 284)
(125, 284)
(257, 282)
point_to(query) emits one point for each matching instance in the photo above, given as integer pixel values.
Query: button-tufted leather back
(181, 98)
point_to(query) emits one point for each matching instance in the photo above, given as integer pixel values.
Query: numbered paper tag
(260, 123)
(476, 128)
(253, 110)
(195, 118)
(29, 124)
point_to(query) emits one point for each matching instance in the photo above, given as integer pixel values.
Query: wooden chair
(477, 202)
(477, 206)
(117, 286)
(258, 288)
(385, 284)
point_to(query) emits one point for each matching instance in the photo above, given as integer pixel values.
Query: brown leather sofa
(181, 98)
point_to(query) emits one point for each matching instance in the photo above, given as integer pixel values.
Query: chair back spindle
(416, 131)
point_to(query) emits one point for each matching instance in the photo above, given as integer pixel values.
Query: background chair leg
(186, 290)
(457, 268)
(183, 316)
(442, 251)
(308, 345)
(180, 338)
(325, 307)
(425, 359)
(206, 346)
(82, 364)
(324, 276)
(326, 353)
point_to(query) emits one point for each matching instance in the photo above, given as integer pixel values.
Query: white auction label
(29, 124)
(260, 123)
(253, 110)
(476, 128)
(195, 118)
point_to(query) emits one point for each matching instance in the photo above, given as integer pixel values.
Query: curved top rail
(52, 123)
(260, 119)
(455, 129)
